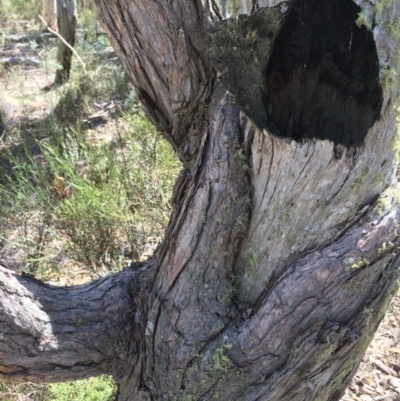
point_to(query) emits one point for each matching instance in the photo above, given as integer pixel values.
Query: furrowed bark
(57, 334)
(171, 74)
(282, 251)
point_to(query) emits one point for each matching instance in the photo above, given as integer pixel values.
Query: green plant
(230, 291)
(242, 158)
(100, 388)
(99, 200)
(388, 77)
(67, 191)
(253, 263)
(394, 29)
(20, 9)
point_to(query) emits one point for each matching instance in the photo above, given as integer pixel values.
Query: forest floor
(26, 67)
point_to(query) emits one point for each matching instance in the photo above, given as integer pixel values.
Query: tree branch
(56, 334)
(170, 70)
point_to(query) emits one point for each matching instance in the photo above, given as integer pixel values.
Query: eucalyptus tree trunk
(66, 22)
(281, 255)
(49, 14)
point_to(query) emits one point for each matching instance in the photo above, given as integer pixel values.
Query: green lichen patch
(220, 361)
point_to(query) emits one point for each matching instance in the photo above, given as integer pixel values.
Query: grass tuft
(95, 389)
(99, 200)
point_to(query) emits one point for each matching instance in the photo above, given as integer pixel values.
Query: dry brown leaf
(369, 381)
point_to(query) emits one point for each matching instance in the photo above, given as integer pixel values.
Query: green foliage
(394, 29)
(359, 263)
(95, 389)
(253, 263)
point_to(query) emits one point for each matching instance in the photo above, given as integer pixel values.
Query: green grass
(100, 200)
(100, 388)
(23, 9)
(95, 389)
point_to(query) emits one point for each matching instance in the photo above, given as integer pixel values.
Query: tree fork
(281, 254)
(56, 334)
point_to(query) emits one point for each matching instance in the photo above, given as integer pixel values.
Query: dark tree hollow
(323, 75)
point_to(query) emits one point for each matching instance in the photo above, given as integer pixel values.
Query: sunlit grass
(95, 389)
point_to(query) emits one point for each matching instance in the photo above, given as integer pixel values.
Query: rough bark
(282, 251)
(57, 334)
(66, 22)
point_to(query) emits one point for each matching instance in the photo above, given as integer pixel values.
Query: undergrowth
(100, 388)
(95, 389)
(99, 201)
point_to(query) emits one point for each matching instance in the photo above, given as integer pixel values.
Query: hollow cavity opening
(323, 75)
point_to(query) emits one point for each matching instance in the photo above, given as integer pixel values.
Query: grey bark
(66, 22)
(282, 251)
(56, 334)
(49, 14)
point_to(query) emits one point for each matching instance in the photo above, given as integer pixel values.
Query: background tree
(60, 17)
(66, 23)
(280, 257)
(49, 14)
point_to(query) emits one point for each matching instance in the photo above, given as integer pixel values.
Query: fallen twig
(385, 368)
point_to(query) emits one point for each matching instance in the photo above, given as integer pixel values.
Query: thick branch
(55, 334)
(161, 45)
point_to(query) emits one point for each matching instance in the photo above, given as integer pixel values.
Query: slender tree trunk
(223, 8)
(49, 14)
(66, 22)
(282, 251)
